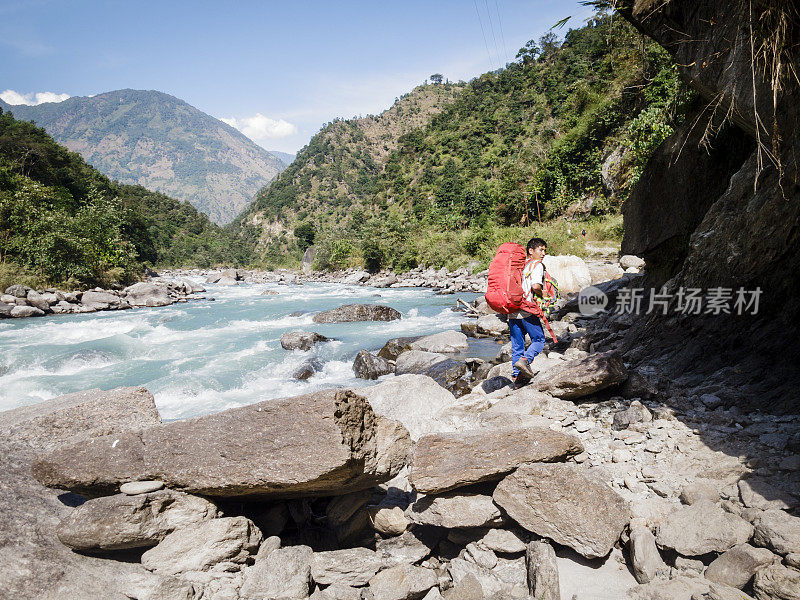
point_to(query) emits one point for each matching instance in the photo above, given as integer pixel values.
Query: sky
(277, 71)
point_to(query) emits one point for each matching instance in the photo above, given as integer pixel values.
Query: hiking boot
(524, 368)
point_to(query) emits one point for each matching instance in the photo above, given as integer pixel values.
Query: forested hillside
(563, 131)
(156, 140)
(64, 223)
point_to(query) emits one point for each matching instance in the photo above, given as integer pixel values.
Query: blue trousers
(519, 327)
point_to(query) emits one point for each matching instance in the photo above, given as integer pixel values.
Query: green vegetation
(63, 223)
(563, 132)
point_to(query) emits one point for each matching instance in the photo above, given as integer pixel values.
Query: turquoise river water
(201, 356)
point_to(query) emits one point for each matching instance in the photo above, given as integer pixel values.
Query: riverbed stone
(201, 546)
(777, 530)
(701, 528)
(17, 290)
(417, 362)
(777, 582)
(396, 346)
(368, 366)
(454, 510)
(100, 300)
(737, 566)
(133, 488)
(581, 377)
(350, 313)
(120, 522)
(700, 489)
(444, 342)
(269, 452)
(284, 574)
(410, 547)
(560, 502)
(41, 302)
(301, 340)
(757, 493)
(20, 312)
(402, 582)
(306, 369)
(542, 571)
(445, 461)
(646, 561)
(503, 540)
(491, 325)
(351, 566)
(145, 293)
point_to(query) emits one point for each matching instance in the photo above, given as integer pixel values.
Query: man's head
(536, 248)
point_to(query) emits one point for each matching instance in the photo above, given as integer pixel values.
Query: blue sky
(278, 71)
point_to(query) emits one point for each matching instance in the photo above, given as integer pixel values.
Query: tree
(305, 234)
(436, 78)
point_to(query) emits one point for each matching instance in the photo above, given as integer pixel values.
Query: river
(205, 356)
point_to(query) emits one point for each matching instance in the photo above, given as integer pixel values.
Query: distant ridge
(162, 143)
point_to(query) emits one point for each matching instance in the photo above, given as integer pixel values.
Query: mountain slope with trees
(564, 130)
(162, 143)
(64, 223)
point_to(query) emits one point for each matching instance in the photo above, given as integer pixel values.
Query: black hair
(534, 243)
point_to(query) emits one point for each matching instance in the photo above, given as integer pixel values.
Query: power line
(502, 35)
(491, 28)
(483, 33)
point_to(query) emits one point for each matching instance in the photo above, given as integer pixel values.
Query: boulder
(135, 488)
(635, 413)
(454, 510)
(301, 340)
(777, 582)
(757, 493)
(449, 374)
(417, 362)
(540, 559)
(701, 528)
(410, 547)
(491, 325)
(389, 521)
(41, 302)
(503, 540)
(413, 400)
(737, 566)
(18, 290)
(581, 377)
(224, 280)
(336, 592)
(559, 502)
(120, 522)
(777, 530)
(80, 416)
(445, 461)
(307, 369)
(487, 582)
(5, 310)
(350, 313)
(570, 271)
(100, 300)
(199, 547)
(396, 346)
(628, 261)
(352, 566)
(147, 294)
(701, 489)
(369, 366)
(444, 342)
(272, 453)
(20, 311)
(646, 562)
(467, 588)
(402, 582)
(284, 574)
(356, 278)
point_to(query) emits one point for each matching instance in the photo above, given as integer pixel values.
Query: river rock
(646, 562)
(582, 377)
(467, 588)
(445, 461)
(284, 574)
(444, 342)
(369, 366)
(487, 582)
(738, 565)
(225, 280)
(269, 452)
(396, 346)
(454, 510)
(410, 547)
(201, 546)
(503, 540)
(491, 325)
(307, 369)
(560, 502)
(413, 400)
(628, 261)
(100, 300)
(41, 302)
(147, 294)
(5, 309)
(403, 582)
(119, 522)
(350, 313)
(388, 520)
(777, 582)
(20, 311)
(301, 340)
(777, 530)
(80, 416)
(336, 592)
(417, 362)
(701, 528)
(542, 571)
(570, 271)
(757, 493)
(18, 290)
(449, 374)
(352, 566)
(133, 488)
(700, 489)
(635, 413)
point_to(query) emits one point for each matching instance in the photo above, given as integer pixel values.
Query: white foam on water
(53, 331)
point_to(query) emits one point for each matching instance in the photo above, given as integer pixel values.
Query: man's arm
(536, 288)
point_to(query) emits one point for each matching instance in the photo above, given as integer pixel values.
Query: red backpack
(504, 293)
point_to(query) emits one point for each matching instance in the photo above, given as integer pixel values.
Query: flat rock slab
(285, 573)
(120, 522)
(456, 511)
(582, 377)
(445, 461)
(350, 313)
(446, 341)
(403, 582)
(701, 528)
(322, 443)
(738, 565)
(353, 566)
(559, 502)
(777, 530)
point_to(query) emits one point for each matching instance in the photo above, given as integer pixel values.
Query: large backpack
(504, 293)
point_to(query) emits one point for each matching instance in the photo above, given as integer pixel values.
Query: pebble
(134, 488)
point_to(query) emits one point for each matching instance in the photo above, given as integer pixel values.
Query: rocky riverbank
(594, 481)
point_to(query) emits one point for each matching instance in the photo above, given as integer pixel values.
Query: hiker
(522, 322)
(583, 232)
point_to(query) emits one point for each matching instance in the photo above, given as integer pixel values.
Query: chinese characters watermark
(687, 301)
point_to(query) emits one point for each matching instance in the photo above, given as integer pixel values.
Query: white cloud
(33, 98)
(259, 127)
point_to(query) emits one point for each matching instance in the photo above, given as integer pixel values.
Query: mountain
(284, 157)
(452, 169)
(162, 143)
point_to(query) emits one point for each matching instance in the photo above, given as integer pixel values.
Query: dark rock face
(368, 366)
(742, 227)
(396, 346)
(350, 313)
(301, 340)
(319, 443)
